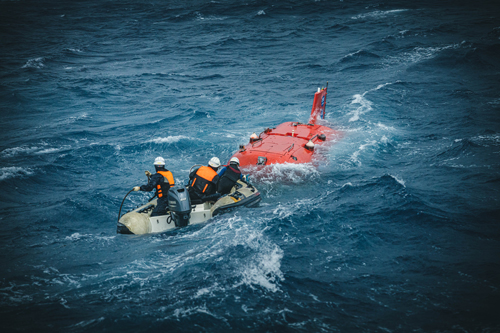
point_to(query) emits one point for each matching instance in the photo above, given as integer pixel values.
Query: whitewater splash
(13, 172)
(169, 139)
(32, 150)
(378, 14)
(283, 173)
(35, 63)
(365, 105)
(419, 54)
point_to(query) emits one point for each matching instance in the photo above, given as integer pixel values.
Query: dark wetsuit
(229, 175)
(203, 185)
(162, 181)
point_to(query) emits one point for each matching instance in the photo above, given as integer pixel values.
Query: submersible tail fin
(319, 105)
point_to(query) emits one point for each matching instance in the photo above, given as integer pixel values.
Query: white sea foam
(378, 14)
(495, 102)
(77, 236)
(351, 54)
(364, 106)
(385, 128)
(486, 140)
(261, 12)
(86, 323)
(49, 151)
(186, 312)
(287, 172)
(355, 155)
(264, 268)
(18, 150)
(419, 54)
(35, 63)
(380, 86)
(34, 150)
(199, 16)
(262, 264)
(84, 115)
(399, 180)
(169, 139)
(13, 172)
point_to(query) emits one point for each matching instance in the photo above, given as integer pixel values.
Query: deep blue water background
(397, 230)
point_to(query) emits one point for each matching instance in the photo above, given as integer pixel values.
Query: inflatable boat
(182, 213)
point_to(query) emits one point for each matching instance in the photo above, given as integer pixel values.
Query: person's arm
(221, 171)
(153, 181)
(191, 175)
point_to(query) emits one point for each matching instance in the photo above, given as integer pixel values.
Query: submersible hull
(290, 142)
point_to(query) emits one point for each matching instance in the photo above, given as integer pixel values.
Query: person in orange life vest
(203, 182)
(162, 181)
(229, 175)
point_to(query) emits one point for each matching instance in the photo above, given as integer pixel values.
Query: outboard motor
(179, 204)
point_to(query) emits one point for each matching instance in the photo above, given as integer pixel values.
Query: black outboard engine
(179, 204)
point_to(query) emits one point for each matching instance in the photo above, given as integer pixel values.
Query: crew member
(203, 182)
(162, 181)
(229, 175)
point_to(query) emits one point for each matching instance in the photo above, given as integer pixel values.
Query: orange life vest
(160, 188)
(202, 180)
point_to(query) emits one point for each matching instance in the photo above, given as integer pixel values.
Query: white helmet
(159, 161)
(234, 160)
(214, 162)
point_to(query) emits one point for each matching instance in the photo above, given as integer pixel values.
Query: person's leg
(195, 198)
(160, 209)
(211, 197)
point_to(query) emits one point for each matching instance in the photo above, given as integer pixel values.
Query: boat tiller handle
(119, 213)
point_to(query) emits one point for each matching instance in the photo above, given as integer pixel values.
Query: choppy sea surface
(395, 230)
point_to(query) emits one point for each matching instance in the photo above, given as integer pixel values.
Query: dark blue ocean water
(397, 230)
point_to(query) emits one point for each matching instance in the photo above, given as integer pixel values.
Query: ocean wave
(285, 210)
(264, 269)
(486, 140)
(34, 150)
(199, 16)
(87, 323)
(36, 63)
(262, 265)
(184, 312)
(378, 14)
(74, 50)
(89, 237)
(355, 156)
(284, 173)
(257, 261)
(419, 54)
(169, 139)
(399, 180)
(19, 150)
(14, 172)
(356, 56)
(365, 105)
